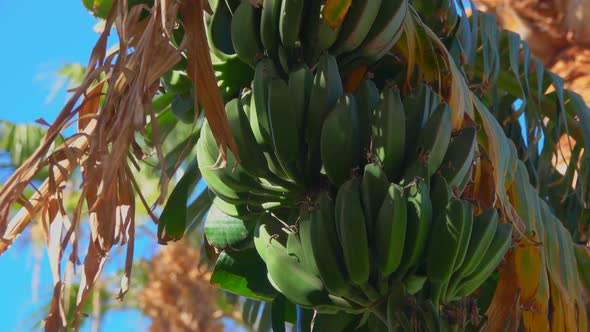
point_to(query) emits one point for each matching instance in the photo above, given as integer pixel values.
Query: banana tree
(384, 161)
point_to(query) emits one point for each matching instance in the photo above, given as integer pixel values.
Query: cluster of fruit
(379, 240)
(288, 31)
(370, 182)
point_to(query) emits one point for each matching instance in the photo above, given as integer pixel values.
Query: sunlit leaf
(243, 273)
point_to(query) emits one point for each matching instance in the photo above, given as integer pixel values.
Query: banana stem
(380, 310)
(370, 292)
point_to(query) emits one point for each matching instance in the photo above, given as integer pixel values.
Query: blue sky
(38, 38)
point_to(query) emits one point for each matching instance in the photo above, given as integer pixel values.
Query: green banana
(269, 27)
(304, 232)
(233, 187)
(417, 107)
(390, 231)
(290, 22)
(433, 140)
(229, 183)
(232, 74)
(417, 171)
(443, 247)
(286, 137)
(318, 35)
(240, 211)
(339, 142)
(244, 33)
(415, 283)
(289, 277)
(265, 235)
(252, 159)
(326, 247)
(465, 234)
(295, 249)
(352, 231)
(264, 73)
(367, 98)
(459, 158)
(300, 81)
(385, 30)
(219, 31)
(388, 129)
(419, 225)
(245, 101)
(440, 195)
(500, 244)
(325, 91)
(374, 187)
(356, 25)
(484, 229)
(284, 60)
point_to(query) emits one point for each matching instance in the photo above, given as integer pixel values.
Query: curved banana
(443, 245)
(229, 183)
(240, 211)
(237, 188)
(245, 33)
(304, 232)
(325, 91)
(290, 22)
(484, 229)
(252, 159)
(219, 31)
(288, 276)
(286, 137)
(433, 140)
(352, 231)
(269, 27)
(417, 107)
(356, 25)
(388, 129)
(318, 35)
(494, 255)
(390, 231)
(465, 234)
(385, 30)
(264, 73)
(367, 98)
(300, 81)
(339, 141)
(326, 247)
(295, 249)
(419, 225)
(374, 187)
(459, 158)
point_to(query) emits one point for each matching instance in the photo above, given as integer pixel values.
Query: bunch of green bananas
(398, 226)
(377, 240)
(277, 127)
(291, 32)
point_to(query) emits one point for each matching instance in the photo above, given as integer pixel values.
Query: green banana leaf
(243, 273)
(497, 66)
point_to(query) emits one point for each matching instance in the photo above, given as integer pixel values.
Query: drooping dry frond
(178, 296)
(112, 104)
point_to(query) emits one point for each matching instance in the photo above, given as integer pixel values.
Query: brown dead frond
(111, 105)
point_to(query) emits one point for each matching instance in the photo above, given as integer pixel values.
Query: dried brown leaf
(200, 70)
